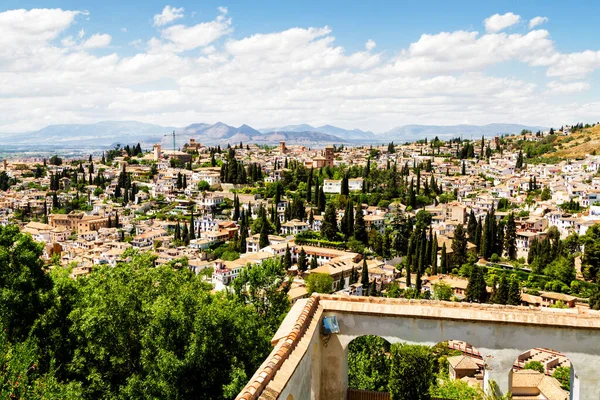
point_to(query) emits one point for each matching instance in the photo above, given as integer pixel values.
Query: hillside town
(487, 220)
(205, 207)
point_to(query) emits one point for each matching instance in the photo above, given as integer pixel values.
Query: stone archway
(542, 372)
(368, 359)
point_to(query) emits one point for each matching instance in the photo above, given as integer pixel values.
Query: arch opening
(451, 369)
(460, 371)
(541, 373)
(369, 363)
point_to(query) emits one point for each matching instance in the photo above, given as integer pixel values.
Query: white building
(332, 186)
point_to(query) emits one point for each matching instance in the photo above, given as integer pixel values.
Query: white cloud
(30, 27)
(81, 33)
(179, 38)
(124, 30)
(97, 41)
(199, 72)
(566, 88)
(533, 22)
(575, 65)
(68, 42)
(222, 10)
(462, 50)
(168, 15)
(498, 22)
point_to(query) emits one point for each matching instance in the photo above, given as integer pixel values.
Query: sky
(368, 65)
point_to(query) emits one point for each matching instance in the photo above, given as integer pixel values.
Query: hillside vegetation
(578, 144)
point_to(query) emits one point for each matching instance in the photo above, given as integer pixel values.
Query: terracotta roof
(268, 370)
(462, 362)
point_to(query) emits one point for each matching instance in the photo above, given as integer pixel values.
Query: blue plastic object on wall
(330, 325)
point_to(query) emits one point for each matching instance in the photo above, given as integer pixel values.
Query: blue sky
(370, 65)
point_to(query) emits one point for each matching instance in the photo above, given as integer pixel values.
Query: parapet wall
(303, 366)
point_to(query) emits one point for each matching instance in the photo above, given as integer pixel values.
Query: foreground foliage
(129, 332)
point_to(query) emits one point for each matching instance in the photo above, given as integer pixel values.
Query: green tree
(263, 240)
(546, 195)
(562, 269)
(514, 292)
(536, 366)
(510, 237)
(21, 377)
(444, 260)
(459, 247)
(369, 363)
(360, 229)
(476, 288)
(411, 373)
(313, 262)
(203, 186)
(442, 291)
(319, 283)
(563, 375)
(265, 288)
(501, 296)
(25, 287)
(287, 258)
(364, 277)
(329, 228)
(456, 389)
(302, 261)
(141, 331)
(472, 226)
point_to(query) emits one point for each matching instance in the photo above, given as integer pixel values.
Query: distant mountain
(108, 133)
(104, 133)
(308, 137)
(415, 132)
(352, 134)
(221, 133)
(208, 133)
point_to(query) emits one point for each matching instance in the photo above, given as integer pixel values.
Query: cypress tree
(360, 229)
(263, 240)
(499, 243)
(344, 189)
(502, 292)
(434, 251)
(329, 229)
(236, 207)
(302, 262)
(185, 234)
(350, 217)
(365, 277)
(514, 292)
(476, 289)
(313, 262)
(177, 235)
(287, 259)
(478, 236)
(192, 229)
(459, 247)
(510, 239)
(472, 227)
(444, 260)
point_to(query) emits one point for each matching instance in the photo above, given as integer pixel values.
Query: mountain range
(354, 134)
(109, 133)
